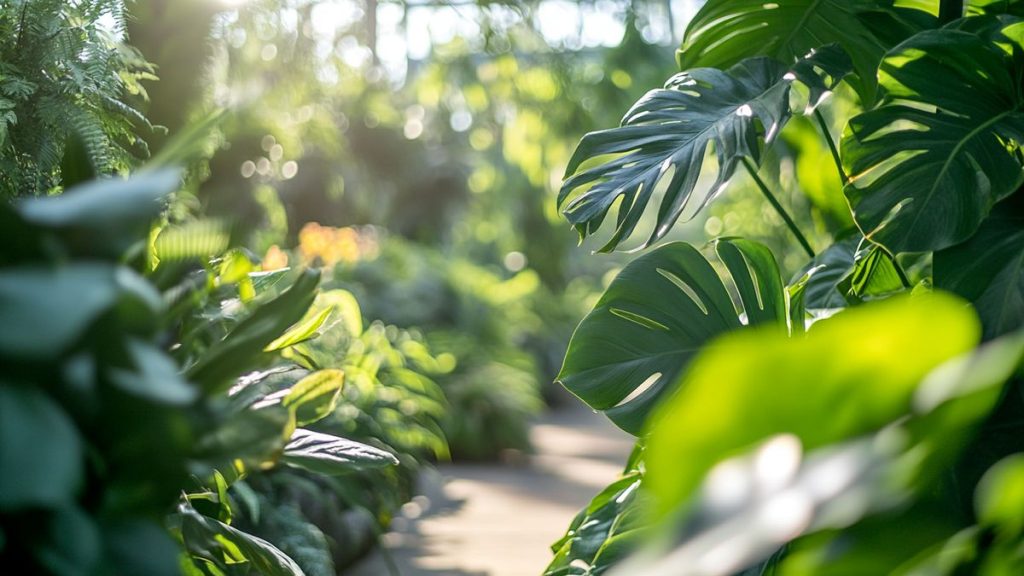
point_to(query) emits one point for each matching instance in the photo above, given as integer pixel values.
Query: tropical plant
(121, 396)
(69, 87)
(853, 420)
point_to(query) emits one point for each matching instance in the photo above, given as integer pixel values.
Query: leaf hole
(638, 319)
(639, 390)
(686, 288)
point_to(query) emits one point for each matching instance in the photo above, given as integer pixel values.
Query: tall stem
(831, 146)
(778, 207)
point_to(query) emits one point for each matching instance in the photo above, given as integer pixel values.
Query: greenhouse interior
(512, 287)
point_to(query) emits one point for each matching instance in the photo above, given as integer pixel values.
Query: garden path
(500, 519)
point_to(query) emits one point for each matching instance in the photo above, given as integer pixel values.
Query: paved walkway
(499, 520)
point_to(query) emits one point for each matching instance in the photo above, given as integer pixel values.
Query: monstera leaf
(927, 166)
(655, 316)
(988, 270)
(725, 32)
(670, 130)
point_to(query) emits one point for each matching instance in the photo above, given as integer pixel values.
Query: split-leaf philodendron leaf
(666, 135)
(725, 32)
(944, 146)
(655, 316)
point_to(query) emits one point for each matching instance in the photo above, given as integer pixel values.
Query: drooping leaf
(669, 131)
(655, 316)
(848, 272)
(326, 454)
(724, 404)
(725, 32)
(251, 438)
(103, 217)
(928, 164)
(988, 270)
(41, 454)
(213, 541)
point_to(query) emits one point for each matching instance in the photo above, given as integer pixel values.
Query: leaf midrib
(949, 162)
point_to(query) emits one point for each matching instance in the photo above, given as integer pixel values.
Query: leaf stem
(831, 146)
(778, 207)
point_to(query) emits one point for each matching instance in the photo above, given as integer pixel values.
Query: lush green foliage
(852, 422)
(100, 379)
(68, 87)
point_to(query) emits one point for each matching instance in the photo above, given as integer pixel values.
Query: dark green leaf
(653, 318)
(725, 32)
(756, 274)
(331, 455)
(216, 542)
(253, 437)
(41, 454)
(141, 548)
(103, 217)
(988, 270)
(595, 525)
(670, 131)
(43, 311)
(913, 160)
(72, 546)
(155, 377)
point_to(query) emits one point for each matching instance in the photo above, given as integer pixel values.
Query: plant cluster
(67, 80)
(865, 416)
(158, 392)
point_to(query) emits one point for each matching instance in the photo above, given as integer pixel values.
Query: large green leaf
(670, 131)
(929, 163)
(655, 316)
(988, 270)
(43, 311)
(41, 454)
(754, 385)
(813, 468)
(326, 454)
(103, 217)
(725, 32)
